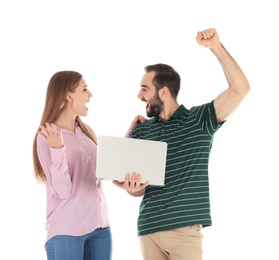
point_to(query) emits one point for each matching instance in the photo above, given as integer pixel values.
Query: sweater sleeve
(55, 167)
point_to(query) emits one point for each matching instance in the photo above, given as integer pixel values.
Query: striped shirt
(184, 200)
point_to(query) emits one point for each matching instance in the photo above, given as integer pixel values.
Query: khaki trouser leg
(177, 244)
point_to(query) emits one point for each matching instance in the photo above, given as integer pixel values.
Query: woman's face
(79, 98)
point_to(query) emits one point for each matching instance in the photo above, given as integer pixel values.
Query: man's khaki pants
(176, 244)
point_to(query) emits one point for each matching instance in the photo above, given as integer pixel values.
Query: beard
(155, 106)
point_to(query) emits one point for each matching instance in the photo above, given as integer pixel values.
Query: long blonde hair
(59, 85)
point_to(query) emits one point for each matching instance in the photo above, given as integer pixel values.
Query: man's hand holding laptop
(133, 186)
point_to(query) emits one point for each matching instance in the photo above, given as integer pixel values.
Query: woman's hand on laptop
(132, 185)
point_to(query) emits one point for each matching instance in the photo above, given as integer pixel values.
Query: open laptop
(117, 156)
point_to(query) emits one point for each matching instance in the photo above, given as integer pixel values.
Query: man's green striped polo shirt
(184, 200)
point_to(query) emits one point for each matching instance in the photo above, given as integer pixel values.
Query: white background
(110, 42)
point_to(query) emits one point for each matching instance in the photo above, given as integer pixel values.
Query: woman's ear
(69, 97)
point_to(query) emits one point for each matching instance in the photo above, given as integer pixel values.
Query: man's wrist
(137, 194)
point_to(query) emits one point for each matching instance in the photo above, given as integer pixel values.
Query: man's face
(148, 94)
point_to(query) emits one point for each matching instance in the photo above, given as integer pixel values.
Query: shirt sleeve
(206, 117)
(128, 134)
(55, 167)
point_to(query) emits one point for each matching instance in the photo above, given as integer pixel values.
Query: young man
(171, 217)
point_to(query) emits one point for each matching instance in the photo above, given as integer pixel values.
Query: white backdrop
(110, 42)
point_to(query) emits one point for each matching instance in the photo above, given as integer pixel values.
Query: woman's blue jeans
(93, 246)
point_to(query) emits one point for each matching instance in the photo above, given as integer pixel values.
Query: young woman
(64, 157)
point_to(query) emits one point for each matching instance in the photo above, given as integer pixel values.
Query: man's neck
(168, 110)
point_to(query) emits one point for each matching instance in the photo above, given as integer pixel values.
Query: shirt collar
(66, 131)
(176, 115)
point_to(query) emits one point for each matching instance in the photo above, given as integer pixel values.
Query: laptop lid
(117, 156)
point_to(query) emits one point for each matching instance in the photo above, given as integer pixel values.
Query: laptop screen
(117, 156)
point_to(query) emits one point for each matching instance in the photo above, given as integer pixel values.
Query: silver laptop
(117, 156)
